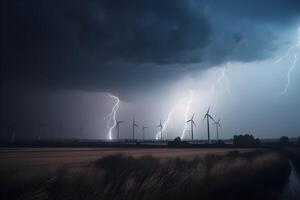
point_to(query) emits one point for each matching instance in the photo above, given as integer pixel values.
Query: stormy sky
(60, 59)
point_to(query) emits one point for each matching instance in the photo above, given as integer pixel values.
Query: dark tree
(220, 143)
(177, 142)
(245, 141)
(284, 141)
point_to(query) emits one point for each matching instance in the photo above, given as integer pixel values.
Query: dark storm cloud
(110, 45)
(80, 43)
(275, 11)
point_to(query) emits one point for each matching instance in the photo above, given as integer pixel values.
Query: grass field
(52, 158)
(110, 173)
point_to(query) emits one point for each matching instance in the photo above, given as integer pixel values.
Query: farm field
(52, 158)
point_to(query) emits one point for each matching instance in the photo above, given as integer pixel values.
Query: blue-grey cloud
(104, 45)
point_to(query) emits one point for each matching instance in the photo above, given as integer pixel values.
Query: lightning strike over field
(289, 75)
(186, 116)
(165, 123)
(170, 114)
(295, 49)
(112, 122)
(223, 76)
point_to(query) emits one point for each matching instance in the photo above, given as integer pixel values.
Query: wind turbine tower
(118, 128)
(40, 131)
(208, 116)
(217, 123)
(13, 134)
(160, 126)
(192, 126)
(133, 128)
(144, 128)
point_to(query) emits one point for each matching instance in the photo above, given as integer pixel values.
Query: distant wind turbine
(144, 128)
(207, 116)
(80, 131)
(217, 123)
(12, 130)
(133, 128)
(61, 129)
(40, 131)
(13, 134)
(160, 126)
(118, 128)
(192, 125)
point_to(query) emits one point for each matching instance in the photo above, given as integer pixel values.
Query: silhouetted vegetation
(246, 141)
(284, 141)
(256, 175)
(177, 142)
(220, 143)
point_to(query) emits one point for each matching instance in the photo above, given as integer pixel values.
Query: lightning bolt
(165, 123)
(187, 110)
(289, 75)
(295, 47)
(223, 76)
(169, 117)
(112, 122)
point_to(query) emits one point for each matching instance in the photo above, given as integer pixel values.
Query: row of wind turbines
(207, 116)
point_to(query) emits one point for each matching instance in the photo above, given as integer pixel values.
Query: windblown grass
(257, 175)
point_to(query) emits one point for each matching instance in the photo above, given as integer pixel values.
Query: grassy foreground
(255, 175)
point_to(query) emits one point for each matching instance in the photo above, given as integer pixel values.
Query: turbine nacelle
(217, 123)
(207, 115)
(192, 120)
(119, 122)
(135, 124)
(160, 125)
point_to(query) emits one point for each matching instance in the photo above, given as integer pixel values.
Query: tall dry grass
(257, 175)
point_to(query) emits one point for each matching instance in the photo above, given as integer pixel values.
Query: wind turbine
(207, 116)
(12, 131)
(192, 125)
(161, 129)
(61, 129)
(144, 128)
(118, 128)
(80, 130)
(40, 131)
(217, 123)
(133, 127)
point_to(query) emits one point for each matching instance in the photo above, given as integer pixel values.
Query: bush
(246, 141)
(284, 141)
(177, 142)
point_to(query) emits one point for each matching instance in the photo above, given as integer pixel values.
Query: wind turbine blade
(193, 116)
(204, 117)
(193, 123)
(210, 117)
(188, 121)
(208, 110)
